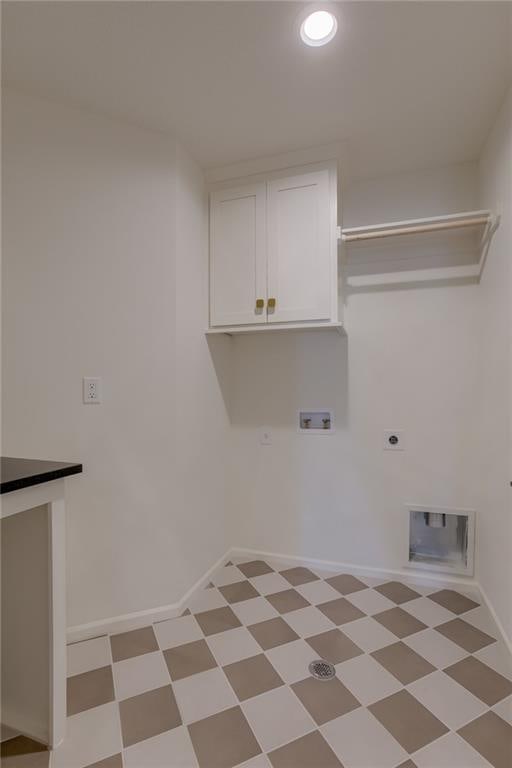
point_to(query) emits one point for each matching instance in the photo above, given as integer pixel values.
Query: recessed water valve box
(316, 422)
(441, 539)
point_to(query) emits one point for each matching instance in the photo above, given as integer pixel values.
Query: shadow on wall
(267, 377)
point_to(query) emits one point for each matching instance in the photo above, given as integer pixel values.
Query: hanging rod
(416, 226)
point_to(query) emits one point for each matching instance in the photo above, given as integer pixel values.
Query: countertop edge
(44, 477)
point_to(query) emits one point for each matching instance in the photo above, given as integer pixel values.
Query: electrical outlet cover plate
(393, 440)
(91, 390)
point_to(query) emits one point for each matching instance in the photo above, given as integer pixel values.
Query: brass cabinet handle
(260, 303)
(271, 304)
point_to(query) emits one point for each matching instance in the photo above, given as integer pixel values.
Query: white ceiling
(403, 85)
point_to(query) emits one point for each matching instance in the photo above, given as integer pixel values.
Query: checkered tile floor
(420, 681)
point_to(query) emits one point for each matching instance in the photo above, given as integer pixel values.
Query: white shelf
(274, 327)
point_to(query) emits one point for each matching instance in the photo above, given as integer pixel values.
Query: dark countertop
(21, 473)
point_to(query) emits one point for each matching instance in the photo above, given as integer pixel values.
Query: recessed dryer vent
(441, 539)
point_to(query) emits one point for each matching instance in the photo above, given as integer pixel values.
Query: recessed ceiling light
(318, 28)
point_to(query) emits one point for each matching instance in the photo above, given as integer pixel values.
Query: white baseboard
(142, 618)
(419, 577)
(506, 639)
(139, 619)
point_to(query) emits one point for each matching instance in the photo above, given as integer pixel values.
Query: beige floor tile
(480, 680)
(397, 592)
(287, 600)
(466, 635)
(89, 689)
(157, 751)
(308, 621)
(369, 634)
(317, 592)
(450, 751)
(504, 709)
(217, 620)
(450, 702)
(148, 715)
(481, 619)
(260, 761)
(345, 584)
(428, 612)
(360, 741)
(311, 751)
(140, 674)
(177, 631)
(334, 646)
(435, 648)
(234, 645)
(367, 679)
(411, 724)
(91, 736)
(291, 661)
(88, 654)
(272, 633)
(340, 611)
(491, 737)
(238, 592)
(114, 761)
(189, 659)
(223, 740)
(370, 601)
(254, 611)
(453, 601)
(134, 643)
(325, 700)
(498, 657)
(399, 622)
(252, 676)
(299, 576)
(206, 600)
(203, 695)
(402, 662)
(277, 717)
(255, 568)
(227, 575)
(269, 583)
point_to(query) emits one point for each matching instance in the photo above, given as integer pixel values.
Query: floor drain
(322, 670)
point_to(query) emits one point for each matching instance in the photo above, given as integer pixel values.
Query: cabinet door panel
(237, 255)
(300, 250)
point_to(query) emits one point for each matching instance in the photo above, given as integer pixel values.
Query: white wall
(495, 313)
(409, 362)
(97, 217)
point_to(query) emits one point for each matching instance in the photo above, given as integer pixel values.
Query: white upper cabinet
(273, 252)
(298, 248)
(238, 272)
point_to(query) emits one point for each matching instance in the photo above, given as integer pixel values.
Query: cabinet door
(301, 254)
(238, 268)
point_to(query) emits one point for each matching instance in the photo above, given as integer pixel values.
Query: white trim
(506, 639)
(470, 585)
(141, 618)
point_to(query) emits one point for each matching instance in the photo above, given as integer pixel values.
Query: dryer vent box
(441, 539)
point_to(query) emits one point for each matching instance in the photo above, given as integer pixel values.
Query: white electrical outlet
(91, 390)
(393, 440)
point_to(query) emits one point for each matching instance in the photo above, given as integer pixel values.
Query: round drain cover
(322, 670)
